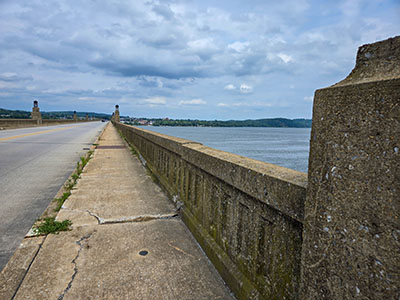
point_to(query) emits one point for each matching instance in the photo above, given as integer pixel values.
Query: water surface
(287, 147)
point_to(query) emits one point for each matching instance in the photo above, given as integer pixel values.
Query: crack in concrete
(135, 219)
(98, 218)
(79, 243)
(142, 218)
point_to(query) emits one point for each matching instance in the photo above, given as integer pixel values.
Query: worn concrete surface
(100, 258)
(15, 270)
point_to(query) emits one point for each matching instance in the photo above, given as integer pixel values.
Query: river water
(287, 147)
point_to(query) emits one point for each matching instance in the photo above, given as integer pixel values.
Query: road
(34, 164)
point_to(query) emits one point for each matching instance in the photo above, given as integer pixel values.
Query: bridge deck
(127, 241)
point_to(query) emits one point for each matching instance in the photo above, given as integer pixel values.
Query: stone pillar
(75, 117)
(351, 237)
(116, 113)
(87, 117)
(36, 115)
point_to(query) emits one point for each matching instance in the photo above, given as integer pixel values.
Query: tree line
(275, 122)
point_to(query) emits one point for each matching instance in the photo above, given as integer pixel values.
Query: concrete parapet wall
(247, 215)
(17, 123)
(21, 123)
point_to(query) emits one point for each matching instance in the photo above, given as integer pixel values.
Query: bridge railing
(16, 123)
(246, 214)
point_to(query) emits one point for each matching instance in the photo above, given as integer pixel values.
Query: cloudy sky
(183, 59)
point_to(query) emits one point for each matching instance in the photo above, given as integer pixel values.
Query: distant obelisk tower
(75, 116)
(36, 115)
(116, 113)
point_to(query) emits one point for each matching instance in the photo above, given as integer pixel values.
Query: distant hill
(70, 114)
(275, 122)
(14, 114)
(20, 114)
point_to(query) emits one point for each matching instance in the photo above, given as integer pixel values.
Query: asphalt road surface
(34, 164)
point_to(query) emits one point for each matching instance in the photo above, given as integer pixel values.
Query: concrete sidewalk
(127, 241)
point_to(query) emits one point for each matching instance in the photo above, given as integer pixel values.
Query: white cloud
(193, 102)
(239, 46)
(156, 101)
(285, 58)
(201, 44)
(245, 89)
(230, 87)
(87, 98)
(222, 104)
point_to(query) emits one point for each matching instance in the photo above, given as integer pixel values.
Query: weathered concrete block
(278, 187)
(352, 229)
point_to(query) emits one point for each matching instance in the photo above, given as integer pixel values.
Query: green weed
(50, 225)
(69, 185)
(74, 178)
(60, 201)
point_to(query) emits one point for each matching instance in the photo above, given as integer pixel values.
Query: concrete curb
(15, 270)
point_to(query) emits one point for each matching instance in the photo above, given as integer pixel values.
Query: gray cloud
(13, 77)
(130, 51)
(164, 11)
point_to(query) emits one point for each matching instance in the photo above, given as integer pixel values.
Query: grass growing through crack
(60, 201)
(80, 165)
(50, 225)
